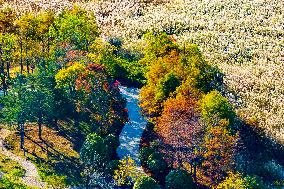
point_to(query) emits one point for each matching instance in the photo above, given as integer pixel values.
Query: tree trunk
(48, 44)
(42, 48)
(76, 113)
(27, 60)
(76, 119)
(194, 173)
(2, 69)
(87, 45)
(21, 61)
(3, 77)
(8, 69)
(22, 133)
(40, 127)
(47, 152)
(55, 124)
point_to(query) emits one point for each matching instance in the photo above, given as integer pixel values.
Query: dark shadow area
(259, 155)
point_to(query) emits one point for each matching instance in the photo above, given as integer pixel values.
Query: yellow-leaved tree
(127, 172)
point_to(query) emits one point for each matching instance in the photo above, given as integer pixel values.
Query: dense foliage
(238, 181)
(127, 172)
(179, 179)
(49, 76)
(146, 183)
(195, 126)
(64, 62)
(186, 116)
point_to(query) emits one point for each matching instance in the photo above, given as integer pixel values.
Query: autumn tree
(66, 80)
(26, 30)
(220, 139)
(219, 149)
(127, 172)
(101, 100)
(181, 98)
(180, 129)
(15, 109)
(76, 27)
(239, 181)
(7, 18)
(44, 21)
(215, 107)
(153, 94)
(170, 66)
(7, 45)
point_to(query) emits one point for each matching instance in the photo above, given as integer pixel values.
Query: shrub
(144, 153)
(177, 179)
(112, 166)
(7, 182)
(127, 172)
(146, 182)
(255, 182)
(271, 171)
(49, 175)
(56, 181)
(169, 84)
(237, 181)
(159, 44)
(93, 145)
(111, 142)
(157, 165)
(215, 106)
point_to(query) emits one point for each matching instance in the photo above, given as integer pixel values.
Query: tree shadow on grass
(74, 135)
(50, 159)
(259, 155)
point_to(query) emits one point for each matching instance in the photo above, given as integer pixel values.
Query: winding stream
(132, 131)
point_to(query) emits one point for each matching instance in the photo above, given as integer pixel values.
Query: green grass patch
(11, 172)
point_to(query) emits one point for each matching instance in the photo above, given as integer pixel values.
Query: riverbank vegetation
(58, 95)
(61, 66)
(194, 127)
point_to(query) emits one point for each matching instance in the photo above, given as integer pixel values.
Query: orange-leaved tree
(180, 129)
(101, 99)
(219, 150)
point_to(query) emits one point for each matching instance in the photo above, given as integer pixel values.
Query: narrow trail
(31, 177)
(132, 131)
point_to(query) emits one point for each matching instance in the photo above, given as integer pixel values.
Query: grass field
(54, 155)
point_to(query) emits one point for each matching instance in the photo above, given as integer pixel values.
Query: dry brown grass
(52, 144)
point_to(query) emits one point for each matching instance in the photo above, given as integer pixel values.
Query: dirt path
(31, 177)
(132, 131)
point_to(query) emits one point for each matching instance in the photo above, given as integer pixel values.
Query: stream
(131, 133)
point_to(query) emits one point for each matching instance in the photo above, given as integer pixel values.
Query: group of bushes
(63, 74)
(195, 127)
(176, 179)
(103, 148)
